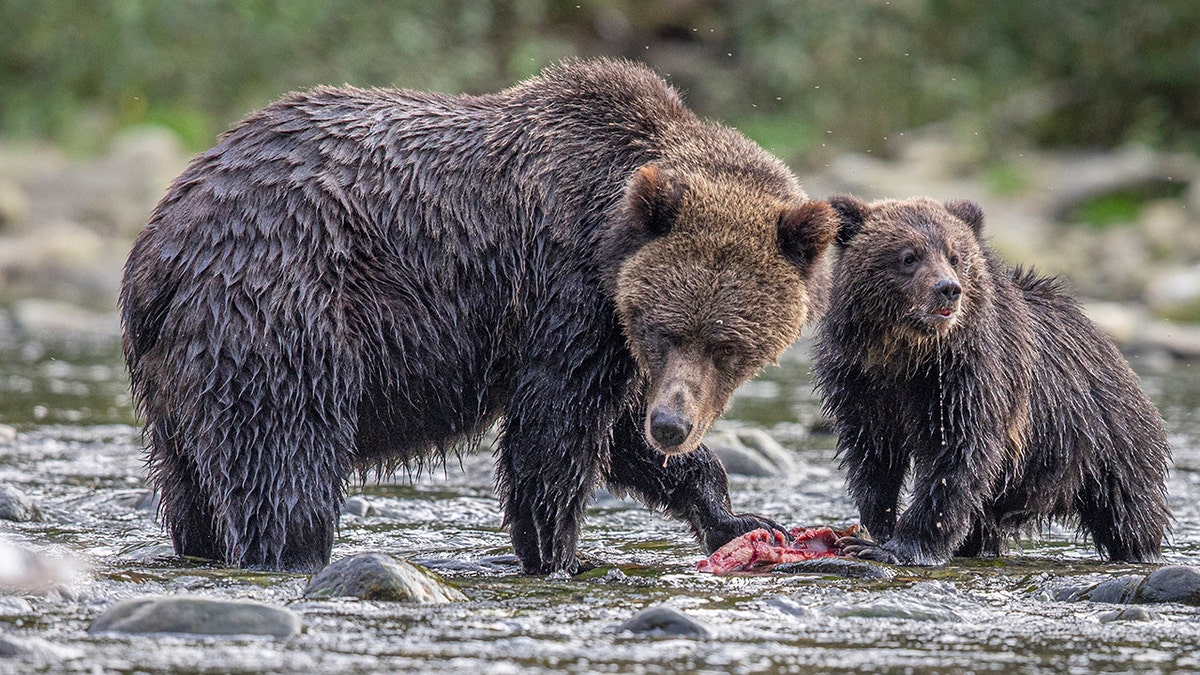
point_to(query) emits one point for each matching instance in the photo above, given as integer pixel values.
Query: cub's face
(914, 265)
(717, 290)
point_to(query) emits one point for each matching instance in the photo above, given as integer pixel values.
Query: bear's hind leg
(278, 483)
(185, 509)
(1124, 525)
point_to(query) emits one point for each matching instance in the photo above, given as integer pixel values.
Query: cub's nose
(668, 428)
(948, 289)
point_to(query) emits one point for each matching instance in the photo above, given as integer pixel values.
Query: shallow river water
(77, 454)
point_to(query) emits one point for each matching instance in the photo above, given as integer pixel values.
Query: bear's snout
(669, 428)
(948, 290)
(682, 402)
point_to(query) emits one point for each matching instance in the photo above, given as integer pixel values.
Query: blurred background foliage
(796, 75)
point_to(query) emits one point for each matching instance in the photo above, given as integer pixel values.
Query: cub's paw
(735, 526)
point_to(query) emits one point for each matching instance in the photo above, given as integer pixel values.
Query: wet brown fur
(357, 278)
(1006, 405)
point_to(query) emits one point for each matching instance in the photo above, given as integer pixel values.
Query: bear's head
(914, 268)
(714, 285)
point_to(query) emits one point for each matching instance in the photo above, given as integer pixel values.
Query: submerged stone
(850, 568)
(1175, 583)
(197, 616)
(17, 506)
(375, 576)
(892, 609)
(1130, 614)
(750, 452)
(666, 620)
(1120, 590)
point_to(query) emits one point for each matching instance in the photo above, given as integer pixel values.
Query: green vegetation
(1092, 72)
(1121, 207)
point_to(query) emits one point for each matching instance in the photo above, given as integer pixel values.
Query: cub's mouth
(940, 317)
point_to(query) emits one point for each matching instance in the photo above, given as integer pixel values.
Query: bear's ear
(805, 232)
(654, 194)
(851, 214)
(968, 212)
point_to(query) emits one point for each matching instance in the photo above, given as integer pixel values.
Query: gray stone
(1175, 293)
(26, 571)
(197, 616)
(1129, 614)
(358, 506)
(1174, 583)
(375, 576)
(1180, 340)
(1120, 321)
(750, 452)
(1119, 590)
(791, 605)
(17, 506)
(841, 567)
(8, 434)
(665, 620)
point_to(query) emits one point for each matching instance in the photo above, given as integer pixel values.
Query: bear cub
(988, 384)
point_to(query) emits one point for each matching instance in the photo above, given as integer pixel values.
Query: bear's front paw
(865, 549)
(735, 526)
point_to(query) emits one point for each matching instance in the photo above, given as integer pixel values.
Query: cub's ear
(805, 232)
(851, 213)
(654, 195)
(968, 212)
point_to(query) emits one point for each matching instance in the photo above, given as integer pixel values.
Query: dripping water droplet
(941, 394)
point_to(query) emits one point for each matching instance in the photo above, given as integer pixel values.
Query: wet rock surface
(197, 616)
(376, 576)
(1173, 583)
(666, 621)
(838, 567)
(1129, 614)
(17, 506)
(751, 452)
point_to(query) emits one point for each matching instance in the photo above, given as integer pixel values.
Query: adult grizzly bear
(1009, 405)
(360, 278)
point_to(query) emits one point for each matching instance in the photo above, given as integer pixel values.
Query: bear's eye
(953, 260)
(725, 357)
(908, 258)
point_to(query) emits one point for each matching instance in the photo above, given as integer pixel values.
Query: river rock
(26, 571)
(197, 616)
(17, 506)
(358, 506)
(666, 620)
(36, 648)
(1178, 339)
(1173, 583)
(1175, 293)
(750, 452)
(850, 568)
(909, 609)
(375, 576)
(8, 434)
(1129, 614)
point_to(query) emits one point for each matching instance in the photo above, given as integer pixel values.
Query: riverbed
(77, 453)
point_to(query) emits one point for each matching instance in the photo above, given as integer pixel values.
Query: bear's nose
(948, 289)
(668, 428)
